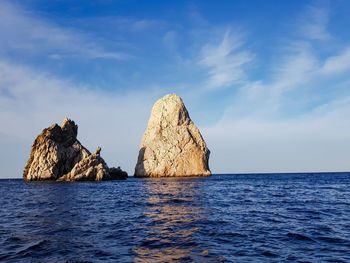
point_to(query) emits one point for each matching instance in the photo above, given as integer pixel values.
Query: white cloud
(299, 73)
(295, 66)
(225, 61)
(338, 63)
(257, 133)
(318, 141)
(143, 24)
(24, 31)
(315, 22)
(263, 98)
(170, 40)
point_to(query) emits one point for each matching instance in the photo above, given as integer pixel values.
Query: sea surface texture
(222, 218)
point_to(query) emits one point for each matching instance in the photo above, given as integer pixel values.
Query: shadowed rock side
(57, 155)
(117, 173)
(172, 145)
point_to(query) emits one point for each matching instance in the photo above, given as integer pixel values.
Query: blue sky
(266, 82)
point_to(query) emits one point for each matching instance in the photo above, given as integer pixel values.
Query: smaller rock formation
(172, 145)
(117, 173)
(90, 168)
(57, 155)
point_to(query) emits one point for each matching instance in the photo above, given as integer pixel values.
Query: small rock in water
(117, 173)
(172, 145)
(57, 155)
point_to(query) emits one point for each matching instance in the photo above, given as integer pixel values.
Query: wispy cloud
(26, 32)
(225, 60)
(294, 70)
(315, 22)
(318, 141)
(298, 75)
(170, 40)
(294, 119)
(337, 63)
(300, 83)
(143, 24)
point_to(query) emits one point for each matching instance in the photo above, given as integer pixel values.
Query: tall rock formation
(172, 145)
(57, 155)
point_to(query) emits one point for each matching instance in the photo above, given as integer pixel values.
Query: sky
(266, 82)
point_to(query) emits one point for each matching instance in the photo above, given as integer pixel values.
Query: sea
(300, 217)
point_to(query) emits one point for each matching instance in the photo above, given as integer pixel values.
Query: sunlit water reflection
(174, 208)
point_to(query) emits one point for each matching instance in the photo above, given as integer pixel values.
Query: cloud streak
(293, 120)
(22, 31)
(225, 61)
(315, 142)
(337, 64)
(315, 22)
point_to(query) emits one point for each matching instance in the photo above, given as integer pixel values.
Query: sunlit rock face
(57, 155)
(172, 145)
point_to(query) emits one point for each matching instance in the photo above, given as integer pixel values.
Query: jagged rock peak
(69, 130)
(91, 168)
(169, 111)
(69, 126)
(57, 155)
(98, 150)
(172, 145)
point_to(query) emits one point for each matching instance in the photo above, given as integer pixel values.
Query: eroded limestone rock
(172, 145)
(57, 155)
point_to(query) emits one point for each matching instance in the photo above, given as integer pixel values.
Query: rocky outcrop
(117, 173)
(90, 168)
(172, 145)
(57, 155)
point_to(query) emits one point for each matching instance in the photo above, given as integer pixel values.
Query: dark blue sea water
(223, 218)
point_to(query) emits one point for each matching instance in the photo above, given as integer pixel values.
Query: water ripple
(224, 218)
